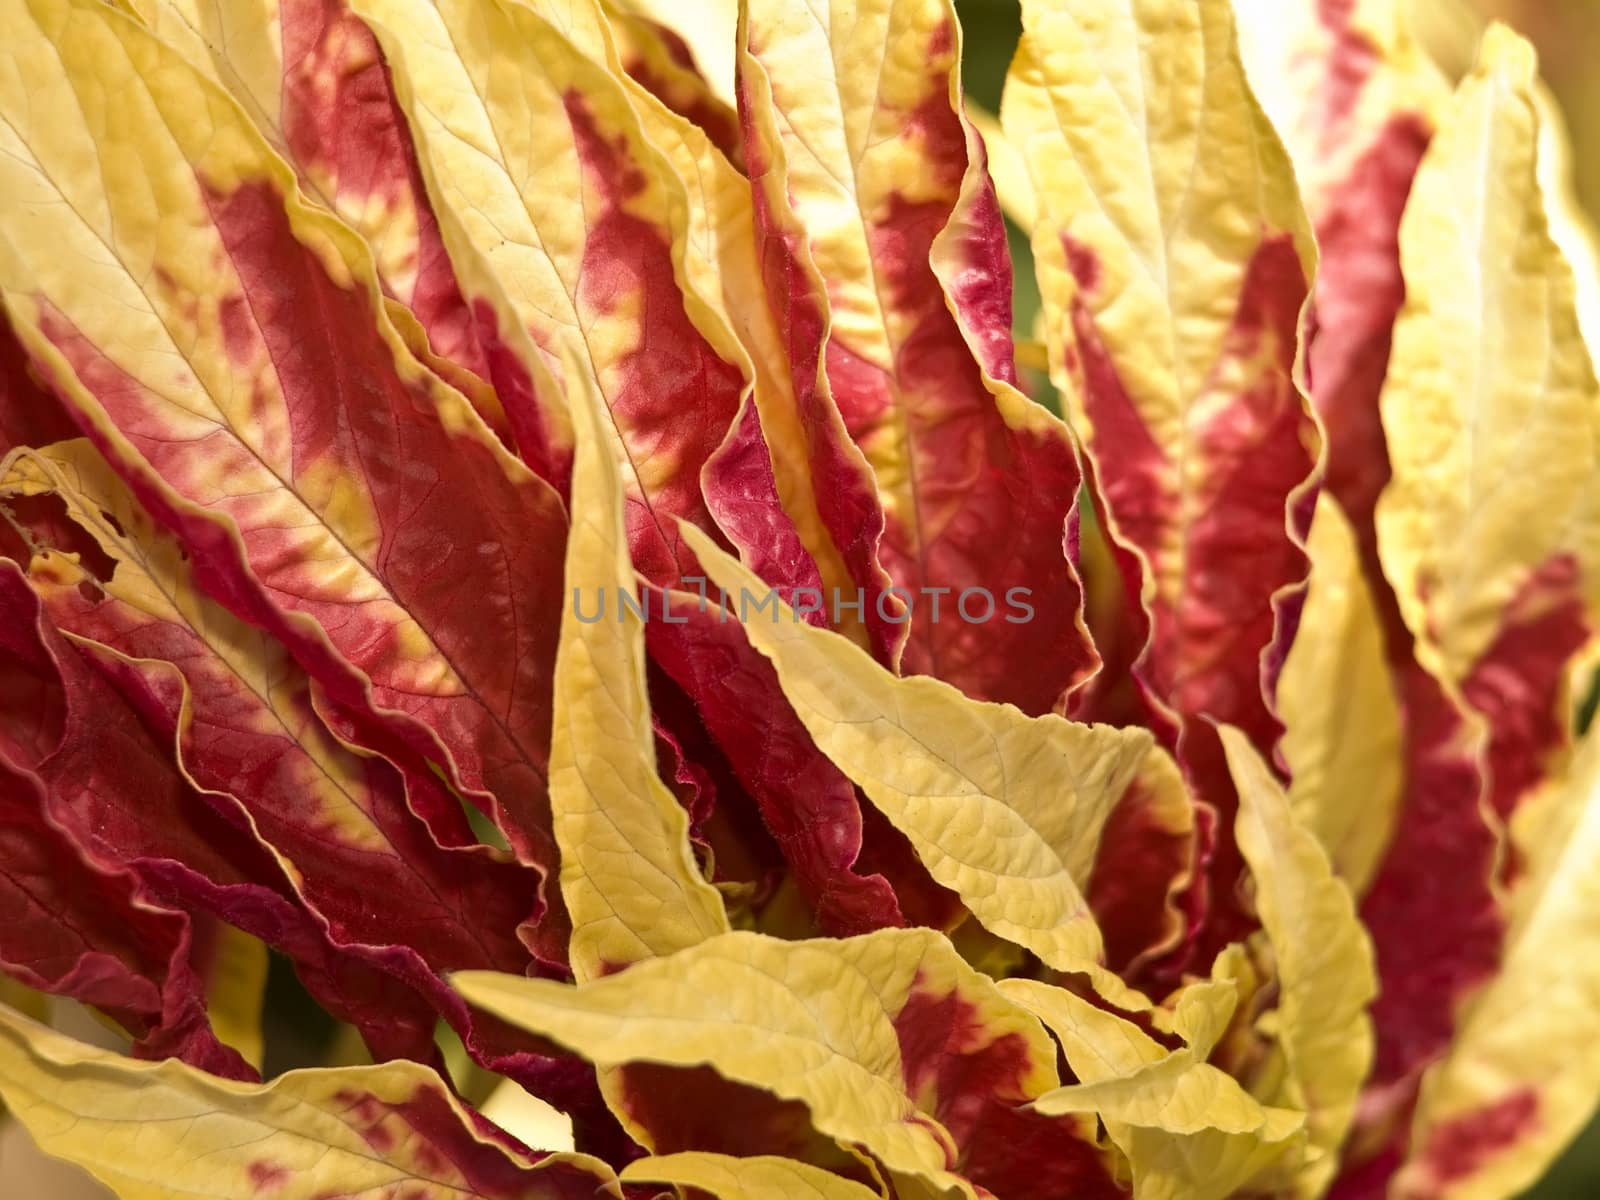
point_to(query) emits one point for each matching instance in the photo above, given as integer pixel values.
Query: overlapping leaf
(310, 76)
(148, 1130)
(629, 877)
(1323, 960)
(1522, 1076)
(71, 927)
(513, 120)
(1188, 1129)
(245, 722)
(1004, 809)
(1343, 735)
(1489, 529)
(1356, 102)
(1174, 258)
(894, 1046)
(329, 488)
(881, 185)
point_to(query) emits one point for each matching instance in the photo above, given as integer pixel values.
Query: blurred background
(297, 1033)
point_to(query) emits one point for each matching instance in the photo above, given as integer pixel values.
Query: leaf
(807, 804)
(514, 120)
(1489, 530)
(1438, 873)
(341, 822)
(729, 1178)
(1520, 1080)
(337, 821)
(227, 350)
(1188, 1129)
(1173, 257)
(883, 1037)
(1342, 722)
(661, 62)
(309, 75)
(70, 926)
(706, 29)
(150, 1130)
(866, 158)
(1145, 860)
(1325, 973)
(235, 969)
(627, 872)
(116, 791)
(1356, 103)
(1004, 809)
(796, 434)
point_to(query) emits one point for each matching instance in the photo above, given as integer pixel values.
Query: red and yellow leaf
(1004, 809)
(515, 121)
(898, 237)
(1174, 258)
(311, 78)
(149, 1130)
(330, 489)
(896, 1047)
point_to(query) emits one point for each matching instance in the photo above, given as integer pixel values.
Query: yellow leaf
(1521, 1079)
(151, 1131)
(1189, 1130)
(1491, 406)
(1002, 808)
(1342, 735)
(236, 984)
(627, 872)
(813, 1021)
(1325, 971)
(758, 1178)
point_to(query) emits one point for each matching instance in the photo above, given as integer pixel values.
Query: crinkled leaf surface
(152, 1130)
(1490, 529)
(629, 877)
(1173, 257)
(885, 184)
(1325, 973)
(1187, 1128)
(855, 1029)
(1004, 809)
(286, 433)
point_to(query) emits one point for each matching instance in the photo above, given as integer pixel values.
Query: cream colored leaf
(1326, 974)
(628, 874)
(1189, 1131)
(1342, 734)
(1004, 809)
(1491, 406)
(758, 1178)
(812, 1021)
(152, 1131)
